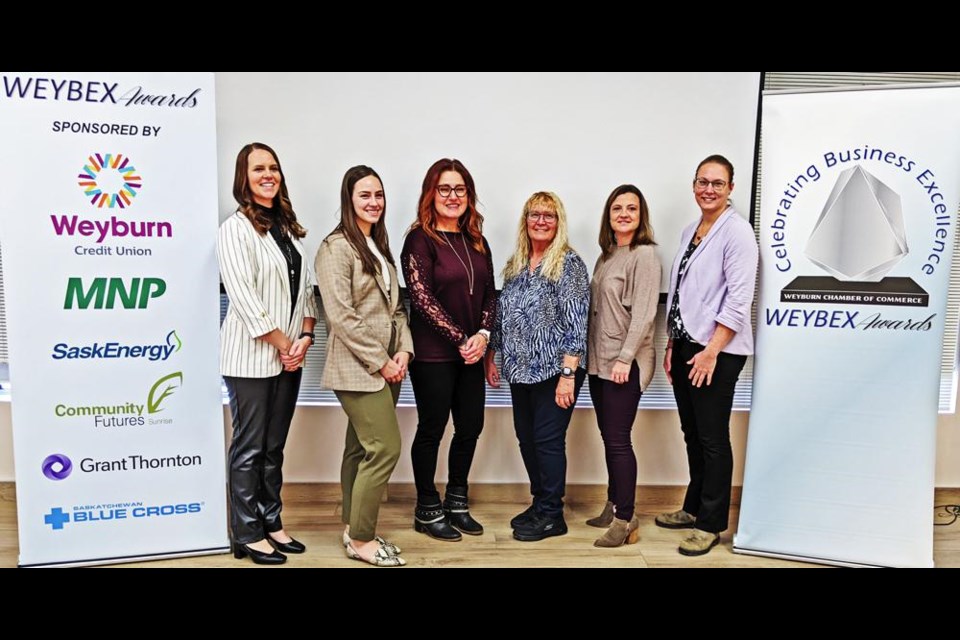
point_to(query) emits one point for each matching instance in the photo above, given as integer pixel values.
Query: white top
(383, 262)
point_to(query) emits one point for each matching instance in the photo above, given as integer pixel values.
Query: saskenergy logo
(118, 350)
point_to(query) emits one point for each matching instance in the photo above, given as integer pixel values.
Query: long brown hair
(244, 197)
(470, 223)
(644, 232)
(351, 230)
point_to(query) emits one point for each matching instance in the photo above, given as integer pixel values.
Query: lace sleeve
(489, 295)
(419, 278)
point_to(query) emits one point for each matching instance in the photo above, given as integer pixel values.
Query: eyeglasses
(536, 216)
(445, 190)
(701, 184)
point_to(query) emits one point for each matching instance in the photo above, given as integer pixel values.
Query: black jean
(262, 409)
(616, 408)
(442, 388)
(705, 421)
(541, 427)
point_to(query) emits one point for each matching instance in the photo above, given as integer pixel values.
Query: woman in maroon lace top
(449, 275)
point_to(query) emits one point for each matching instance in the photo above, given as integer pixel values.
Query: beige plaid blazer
(362, 316)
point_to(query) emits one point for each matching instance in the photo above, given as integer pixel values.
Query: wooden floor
(312, 515)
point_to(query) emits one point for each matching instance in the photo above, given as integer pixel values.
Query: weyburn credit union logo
(109, 180)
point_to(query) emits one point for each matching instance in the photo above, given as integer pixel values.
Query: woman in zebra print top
(541, 332)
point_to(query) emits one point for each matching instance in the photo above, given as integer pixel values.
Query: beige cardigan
(623, 309)
(361, 314)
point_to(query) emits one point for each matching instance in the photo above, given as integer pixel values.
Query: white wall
(579, 135)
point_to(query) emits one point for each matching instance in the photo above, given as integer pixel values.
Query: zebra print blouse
(538, 321)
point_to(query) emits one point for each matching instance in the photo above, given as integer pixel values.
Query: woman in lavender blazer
(712, 283)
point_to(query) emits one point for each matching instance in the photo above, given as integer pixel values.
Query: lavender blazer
(719, 281)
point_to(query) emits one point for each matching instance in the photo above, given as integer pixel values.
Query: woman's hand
(473, 349)
(666, 363)
(621, 372)
(295, 355)
(402, 358)
(391, 372)
(565, 397)
(493, 374)
(702, 366)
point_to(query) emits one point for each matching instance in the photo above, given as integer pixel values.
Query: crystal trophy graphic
(858, 239)
(859, 235)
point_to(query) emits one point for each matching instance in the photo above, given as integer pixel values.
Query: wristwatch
(308, 334)
(566, 372)
(485, 334)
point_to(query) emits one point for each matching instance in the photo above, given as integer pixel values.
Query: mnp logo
(57, 466)
(109, 180)
(103, 293)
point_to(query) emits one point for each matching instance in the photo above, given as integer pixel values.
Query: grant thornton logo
(109, 180)
(57, 466)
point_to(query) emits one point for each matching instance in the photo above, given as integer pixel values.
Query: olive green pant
(370, 453)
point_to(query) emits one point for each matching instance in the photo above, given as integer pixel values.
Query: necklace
(466, 251)
(698, 236)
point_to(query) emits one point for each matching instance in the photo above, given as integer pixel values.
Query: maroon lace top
(444, 312)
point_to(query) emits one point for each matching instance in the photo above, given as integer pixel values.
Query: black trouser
(616, 408)
(262, 409)
(442, 388)
(705, 420)
(541, 427)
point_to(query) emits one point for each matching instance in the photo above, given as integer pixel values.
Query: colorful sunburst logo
(109, 169)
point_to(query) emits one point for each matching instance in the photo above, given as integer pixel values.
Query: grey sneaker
(679, 519)
(699, 542)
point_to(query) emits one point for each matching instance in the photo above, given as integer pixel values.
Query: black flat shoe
(293, 546)
(240, 551)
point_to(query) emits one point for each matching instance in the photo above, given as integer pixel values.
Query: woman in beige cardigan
(368, 349)
(621, 359)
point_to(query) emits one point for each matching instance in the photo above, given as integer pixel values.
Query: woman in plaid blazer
(368, 350)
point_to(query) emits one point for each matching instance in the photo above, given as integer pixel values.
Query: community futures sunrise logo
(859, 239)
(128, 413)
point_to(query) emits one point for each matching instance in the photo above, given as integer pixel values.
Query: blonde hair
(552, 264)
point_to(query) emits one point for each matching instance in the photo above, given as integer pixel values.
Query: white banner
(111, 284)
(857, 219)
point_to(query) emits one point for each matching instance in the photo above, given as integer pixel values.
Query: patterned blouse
(674, 322)
(539, 321)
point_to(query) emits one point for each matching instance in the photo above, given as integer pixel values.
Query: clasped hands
(295, 354)
(473, 349)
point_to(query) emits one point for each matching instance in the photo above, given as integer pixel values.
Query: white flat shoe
(380, 559)
(389, 547)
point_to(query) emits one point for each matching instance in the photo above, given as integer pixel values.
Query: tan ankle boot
(620, 532)
(605, 519)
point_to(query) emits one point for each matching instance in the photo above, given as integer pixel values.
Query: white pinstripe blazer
(254, 273)
(362, 315)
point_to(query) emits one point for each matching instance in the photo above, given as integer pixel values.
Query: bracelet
(308, 334)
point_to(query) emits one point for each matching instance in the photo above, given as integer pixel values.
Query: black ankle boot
(432, 521)
(458, 513)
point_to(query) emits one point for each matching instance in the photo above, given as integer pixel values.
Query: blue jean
(541, 428)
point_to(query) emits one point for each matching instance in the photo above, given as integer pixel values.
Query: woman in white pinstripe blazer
(263, 341)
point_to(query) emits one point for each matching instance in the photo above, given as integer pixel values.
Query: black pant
(616, 407)
(262, 409)
(541, 427)
(705, 420)
(442, 388)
